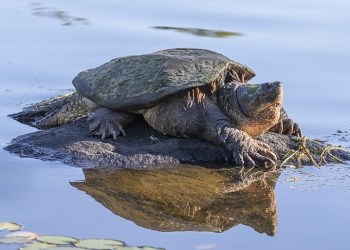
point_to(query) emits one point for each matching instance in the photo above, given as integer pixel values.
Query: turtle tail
(73, 108)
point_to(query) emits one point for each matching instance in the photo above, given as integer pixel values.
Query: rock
(143, 146)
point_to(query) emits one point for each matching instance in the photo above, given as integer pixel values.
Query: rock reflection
(186, 198)
(200, 32)
(64, 17)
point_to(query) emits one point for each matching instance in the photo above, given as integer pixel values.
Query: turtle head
(253, 108)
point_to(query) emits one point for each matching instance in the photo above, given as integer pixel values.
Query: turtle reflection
(186, 198)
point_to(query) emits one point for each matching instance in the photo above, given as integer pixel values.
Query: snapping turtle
(181, 92)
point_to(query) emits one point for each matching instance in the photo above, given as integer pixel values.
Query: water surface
(304, 44)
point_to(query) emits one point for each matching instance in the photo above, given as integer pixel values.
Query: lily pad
(55, 239)
(14, 240)
(29, 235)
(151, 248)
(10, 226)
(36, 245)
(104, 244)
(67, 248)
(127, 248)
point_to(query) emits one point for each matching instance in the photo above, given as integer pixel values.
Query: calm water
(305, 44)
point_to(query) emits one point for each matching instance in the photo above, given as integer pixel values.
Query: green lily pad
(36, 245)
(98, 244)
(14, 240)
(55, 239)
(33, 241)
(68, 248)
(151, 248)
(10, 226)
(126, 248)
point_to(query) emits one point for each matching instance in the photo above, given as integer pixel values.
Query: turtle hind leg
(74, 107)
(109, 123)
(286, 126)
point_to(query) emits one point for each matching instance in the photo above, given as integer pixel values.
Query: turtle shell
(138, 82)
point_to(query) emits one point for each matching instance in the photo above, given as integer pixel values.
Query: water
(305, 44)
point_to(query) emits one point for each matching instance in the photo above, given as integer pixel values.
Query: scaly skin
(76, 106)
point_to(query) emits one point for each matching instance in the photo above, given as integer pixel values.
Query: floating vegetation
(14, 240)
(200, 32)
(28, 235)
(33, 241)
(64, 17)
(99, 244)
(292, 179)
(10, 226)
(57, 240)
(318, 154)
(35, 245)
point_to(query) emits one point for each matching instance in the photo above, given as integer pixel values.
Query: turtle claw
(287, 127)
(114, 134)
(108, 129)
(121, 130)
(246, 150)
(103, 136)
(94, 124)
(297, 130)
(105, 124)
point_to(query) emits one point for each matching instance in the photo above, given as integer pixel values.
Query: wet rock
(143, 146)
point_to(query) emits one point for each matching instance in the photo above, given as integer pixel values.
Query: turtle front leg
(286, 126)
(206, 121)
(109, 123)
(246, 150)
